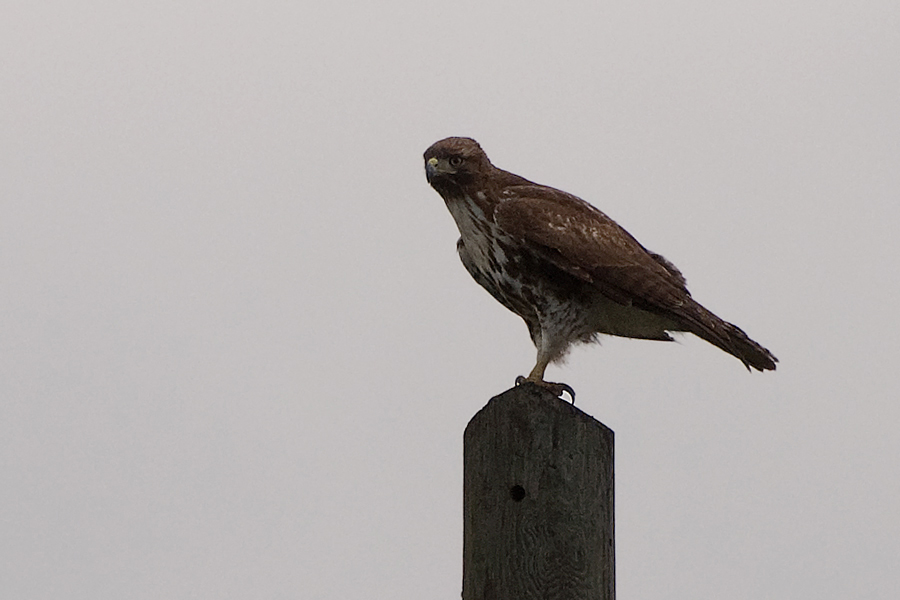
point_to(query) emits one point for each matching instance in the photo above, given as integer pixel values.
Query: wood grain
(538, 501)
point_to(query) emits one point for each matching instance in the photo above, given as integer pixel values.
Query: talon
(556, 388)
(559, 388)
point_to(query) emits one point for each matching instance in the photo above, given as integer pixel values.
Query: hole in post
(517, 492)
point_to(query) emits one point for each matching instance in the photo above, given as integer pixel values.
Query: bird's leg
(537, 377)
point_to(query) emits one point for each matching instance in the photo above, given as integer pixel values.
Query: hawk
(567, 269)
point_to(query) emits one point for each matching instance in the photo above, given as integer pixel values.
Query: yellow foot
(556, 389)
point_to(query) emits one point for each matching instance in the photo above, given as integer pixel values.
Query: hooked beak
(435, 167)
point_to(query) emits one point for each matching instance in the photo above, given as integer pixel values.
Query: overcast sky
(238, 350)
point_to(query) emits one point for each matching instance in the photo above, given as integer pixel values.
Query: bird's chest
(500, 263)
(487, 246)
(523, 281)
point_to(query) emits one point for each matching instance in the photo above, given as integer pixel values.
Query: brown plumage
(565, 267)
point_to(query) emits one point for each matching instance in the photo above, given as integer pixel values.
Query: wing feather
(583, 241)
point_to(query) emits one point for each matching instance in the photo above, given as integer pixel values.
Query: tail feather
(726, 336)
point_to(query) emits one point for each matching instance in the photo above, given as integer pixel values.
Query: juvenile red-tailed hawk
(565, 267)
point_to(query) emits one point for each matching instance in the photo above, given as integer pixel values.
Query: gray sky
(238, 351)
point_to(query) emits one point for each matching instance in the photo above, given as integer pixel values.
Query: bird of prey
(566, 268)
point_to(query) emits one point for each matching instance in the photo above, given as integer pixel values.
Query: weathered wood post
(538, 501)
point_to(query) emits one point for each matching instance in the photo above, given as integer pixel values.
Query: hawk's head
(455, 163)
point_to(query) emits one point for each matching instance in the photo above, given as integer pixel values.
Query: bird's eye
(456, 161)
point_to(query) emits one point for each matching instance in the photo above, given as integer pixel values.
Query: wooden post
(538, 501)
